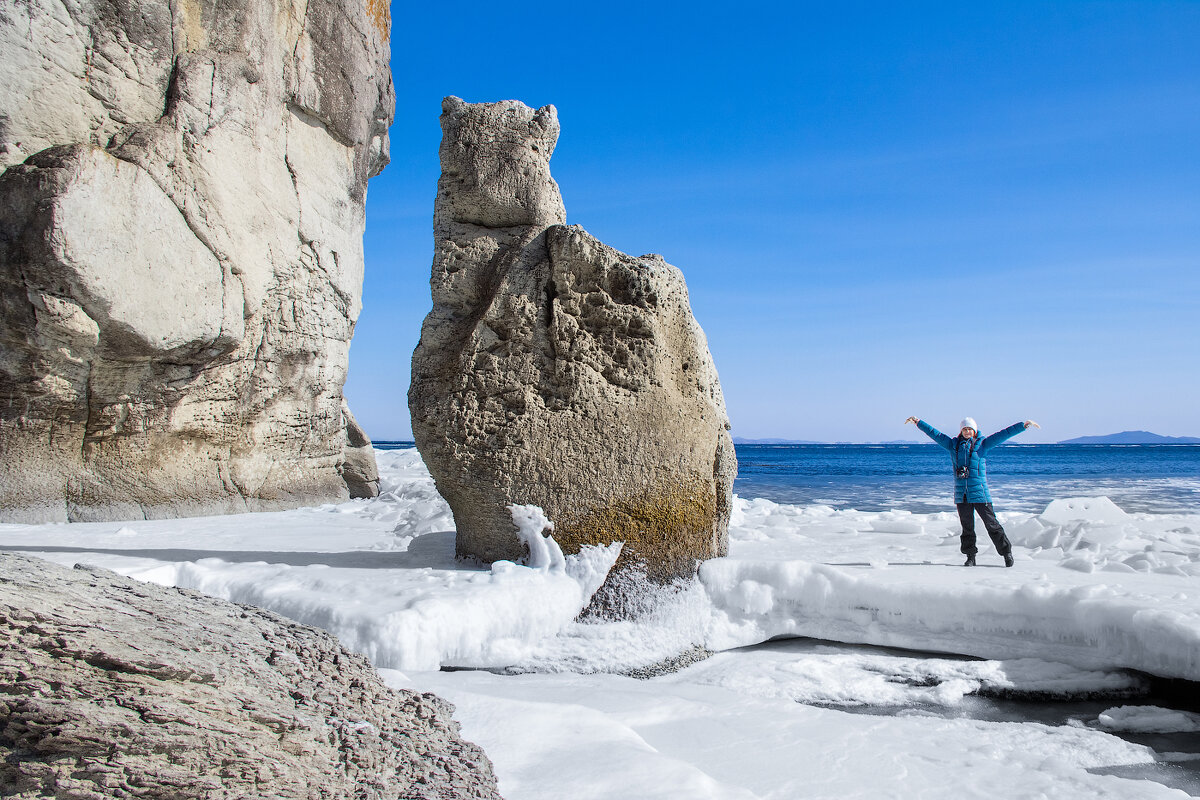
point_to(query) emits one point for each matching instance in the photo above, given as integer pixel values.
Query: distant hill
(740, 440)
(1133, 437)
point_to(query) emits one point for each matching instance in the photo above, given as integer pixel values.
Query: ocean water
(1162, 479)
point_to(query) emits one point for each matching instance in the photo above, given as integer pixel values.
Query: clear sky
(881, 209)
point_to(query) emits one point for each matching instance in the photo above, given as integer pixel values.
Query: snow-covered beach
(1095, 592)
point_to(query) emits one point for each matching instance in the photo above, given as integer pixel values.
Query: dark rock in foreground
(111, 688)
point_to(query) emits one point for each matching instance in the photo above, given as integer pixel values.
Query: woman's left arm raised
(1000, 437)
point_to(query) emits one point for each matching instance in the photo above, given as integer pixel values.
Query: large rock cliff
(181, 219)
(557, 371)
(111, 688)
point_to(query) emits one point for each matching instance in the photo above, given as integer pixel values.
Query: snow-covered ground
(1094, 591)
(1092, 586)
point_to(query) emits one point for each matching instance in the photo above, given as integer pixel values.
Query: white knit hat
(968, 423)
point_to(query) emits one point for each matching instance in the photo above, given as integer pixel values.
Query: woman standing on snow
(971, 496)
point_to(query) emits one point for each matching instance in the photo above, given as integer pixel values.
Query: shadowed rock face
(114, 688)
(181, 218)
(558, 371)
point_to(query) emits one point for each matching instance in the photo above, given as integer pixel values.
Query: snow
(1085, 590)
(1089, 509)
(1095, 591)
(1149, 719)
(805, 671)
(608, 736)
(534, 529)
(379, 574)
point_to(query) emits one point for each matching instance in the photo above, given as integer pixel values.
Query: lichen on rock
(181, 219)
(554, 370)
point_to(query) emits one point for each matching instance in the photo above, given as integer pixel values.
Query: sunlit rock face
(181, 219)
(557, 371)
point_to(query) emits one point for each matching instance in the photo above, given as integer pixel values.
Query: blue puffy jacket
(973, 488)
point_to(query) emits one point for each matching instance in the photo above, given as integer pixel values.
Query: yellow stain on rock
(194, 36)
(666, 533)
(381, 15)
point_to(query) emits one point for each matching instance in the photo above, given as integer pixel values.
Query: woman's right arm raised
(930, 431)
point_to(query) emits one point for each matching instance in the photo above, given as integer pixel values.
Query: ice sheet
(1094, 590)
(604, 736)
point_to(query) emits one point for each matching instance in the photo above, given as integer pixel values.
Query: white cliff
(181, 219)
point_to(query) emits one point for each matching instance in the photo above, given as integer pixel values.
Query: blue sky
(881, 209)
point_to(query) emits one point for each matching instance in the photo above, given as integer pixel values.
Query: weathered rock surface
(181, 219)
(359, 470)
(111, 688)
(557, 371)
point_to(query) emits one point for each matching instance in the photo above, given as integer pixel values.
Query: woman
(971, 496)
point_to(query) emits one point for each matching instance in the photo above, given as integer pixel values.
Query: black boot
(1008, 559)
(970, 561)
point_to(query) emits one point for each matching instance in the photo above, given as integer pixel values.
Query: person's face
(967, 433)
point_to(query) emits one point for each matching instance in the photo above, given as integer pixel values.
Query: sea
(1158, 479)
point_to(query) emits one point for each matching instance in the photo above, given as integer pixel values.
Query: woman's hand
(1031, 424)
(914, 421)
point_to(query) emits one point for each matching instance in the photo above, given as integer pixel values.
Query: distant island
(1132, 437)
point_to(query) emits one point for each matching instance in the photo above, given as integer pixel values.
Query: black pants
(966, 515)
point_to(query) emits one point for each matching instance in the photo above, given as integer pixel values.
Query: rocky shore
(112, 688)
